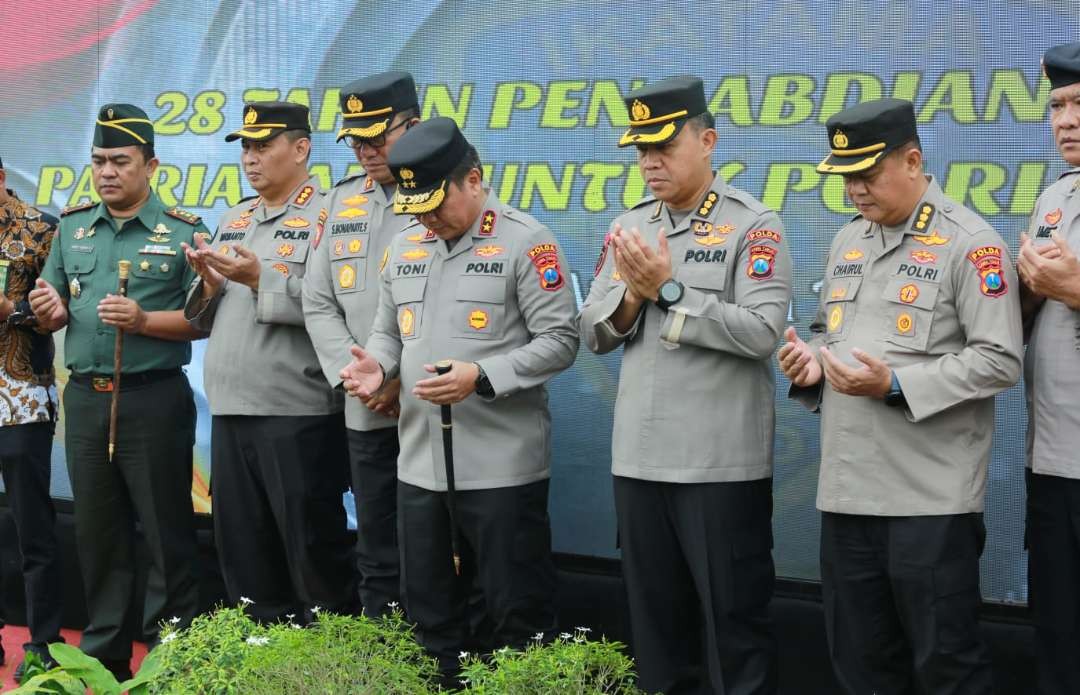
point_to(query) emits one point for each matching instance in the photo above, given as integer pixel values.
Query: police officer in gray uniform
(1050, 298)
(918, 327)
(341, 292)
(695, 284)
(278, 435)
(483, 284)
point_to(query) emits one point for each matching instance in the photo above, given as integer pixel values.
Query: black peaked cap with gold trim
(860, 136)
(658, 111)
(369, 104)
(122, 125)
(421, 162)
(1062, 65)
(266, 119)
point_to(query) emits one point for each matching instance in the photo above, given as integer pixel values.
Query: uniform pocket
(288, 257)
(840, 306)
(348, 263)
(712, 277)
(408, 295)
(910, 312)
(479, 309)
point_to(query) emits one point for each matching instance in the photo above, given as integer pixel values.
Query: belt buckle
(102, 384)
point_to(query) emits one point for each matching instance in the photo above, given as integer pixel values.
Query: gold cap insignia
(839, 140)
(639, 111)
(407, 176)
(353, 104)
(109, 113)
(250, 116)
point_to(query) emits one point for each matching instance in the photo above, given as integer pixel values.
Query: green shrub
(570, 665)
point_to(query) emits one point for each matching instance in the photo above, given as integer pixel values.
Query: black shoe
(47, 663)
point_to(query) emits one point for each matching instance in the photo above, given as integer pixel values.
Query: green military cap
(862, 135)
(1062, 65)
(659, 111)
(121, 125)
(369, 104)
(421, 161)
(266, 119)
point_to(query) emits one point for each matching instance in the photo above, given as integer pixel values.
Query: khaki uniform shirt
(1052, 362)
(259, 359)
(937, 299)
(499, 297)
(341, 288)
(696, 390)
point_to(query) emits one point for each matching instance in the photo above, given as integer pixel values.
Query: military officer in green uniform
(278, 432)
(149, 477)
(918, 328)
(482, 284)
(341, 293)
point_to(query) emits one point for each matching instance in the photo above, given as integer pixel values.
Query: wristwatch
(895, 397)
(484, 389)
(671, 292)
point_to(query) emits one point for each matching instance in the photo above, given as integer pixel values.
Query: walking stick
(442, 367)
(118, 352)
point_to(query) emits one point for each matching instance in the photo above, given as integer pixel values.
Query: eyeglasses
(355, 143)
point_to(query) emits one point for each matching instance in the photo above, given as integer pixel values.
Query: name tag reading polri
(155, 250)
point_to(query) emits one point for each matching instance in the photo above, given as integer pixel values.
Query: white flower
(315, 610)
(565, 635)
(583, 629)
(294, 626)
(538, 636)
(393, 604)
(462, 656)
(290, 616)
(258, 641)
(168, 638)
(245, 601)
(174, 620)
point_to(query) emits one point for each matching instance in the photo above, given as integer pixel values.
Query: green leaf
(87, 668)
(56, 681)
(149, 670)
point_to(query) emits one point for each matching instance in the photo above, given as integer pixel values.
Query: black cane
(442, 367)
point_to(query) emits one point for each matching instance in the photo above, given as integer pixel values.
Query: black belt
(103, 383)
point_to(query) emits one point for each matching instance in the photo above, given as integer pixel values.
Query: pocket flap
(408, 290)
(489, 289)
(704, 277)
(921, 295)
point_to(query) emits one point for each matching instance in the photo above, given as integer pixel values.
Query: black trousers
(506, 553)
(373, 459)
(149, 479)
(697, 563)
(279, 520)
(25, 458)
(1053, 541)
(901, 599)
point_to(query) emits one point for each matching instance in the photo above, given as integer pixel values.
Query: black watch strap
(484, 389)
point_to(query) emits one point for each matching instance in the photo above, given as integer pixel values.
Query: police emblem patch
(987, 261)
(545, 257)
(761, 263)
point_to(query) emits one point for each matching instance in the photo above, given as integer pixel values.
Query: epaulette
(1070, 172)
(348, 177)
(647, 200)
(76, 208)
(748, 201)
(184, 216)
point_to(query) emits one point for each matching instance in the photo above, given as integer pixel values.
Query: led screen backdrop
(536, 86)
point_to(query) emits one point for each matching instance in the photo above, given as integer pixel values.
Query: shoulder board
(857, 216)
(76, 208)
(184, 216)
(750, 202)
(244, 200)
(1070, 172)
(647, 200)
(348, 177)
